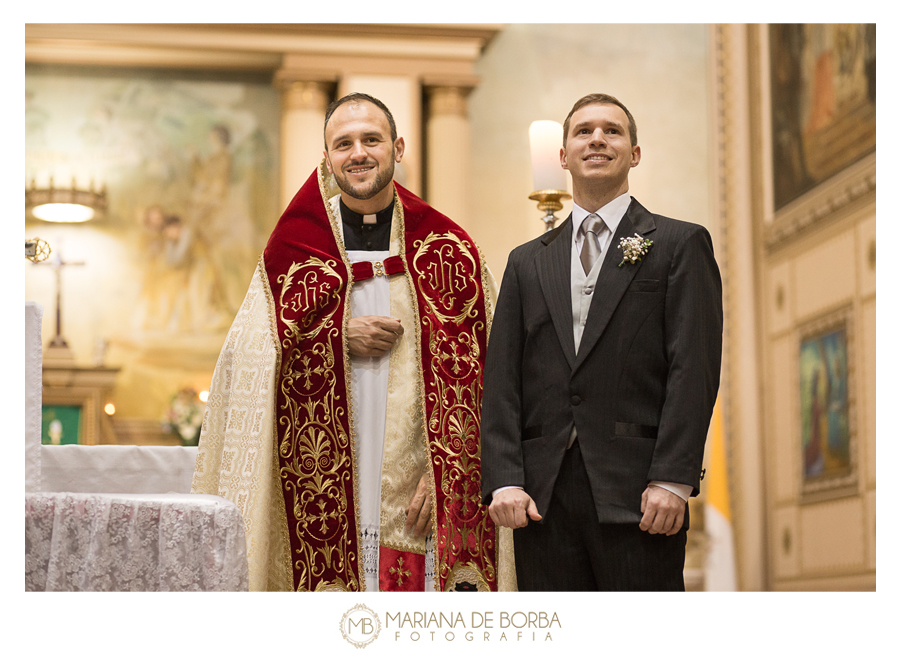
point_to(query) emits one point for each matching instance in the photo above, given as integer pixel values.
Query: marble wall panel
(832, 537)
(825, 275)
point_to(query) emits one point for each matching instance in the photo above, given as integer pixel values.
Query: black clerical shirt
(359, 236)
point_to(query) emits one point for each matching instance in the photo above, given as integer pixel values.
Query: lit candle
(546, 140)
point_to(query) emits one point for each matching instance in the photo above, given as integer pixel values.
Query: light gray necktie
(591, 227)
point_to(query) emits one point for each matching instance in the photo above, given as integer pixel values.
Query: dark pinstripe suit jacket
(641, 389)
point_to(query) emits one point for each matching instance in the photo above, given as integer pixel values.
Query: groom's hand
(663, 511)
(512, 508)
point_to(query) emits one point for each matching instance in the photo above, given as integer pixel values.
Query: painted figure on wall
(823, 103)
(191, 172)
(824, 405)
(195, 263)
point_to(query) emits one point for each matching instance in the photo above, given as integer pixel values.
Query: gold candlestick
(549, 201)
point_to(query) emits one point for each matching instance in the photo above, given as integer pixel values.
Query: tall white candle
(546, 140)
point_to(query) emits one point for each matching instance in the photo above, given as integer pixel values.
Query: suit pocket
(636, 431)
(644, 285)
(533, 432)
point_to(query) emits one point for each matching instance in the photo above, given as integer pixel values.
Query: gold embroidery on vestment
(314, 446)
(399, 572)
(448, 276)
(449, 281)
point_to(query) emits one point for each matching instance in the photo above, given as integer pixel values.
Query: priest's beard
(364, 192)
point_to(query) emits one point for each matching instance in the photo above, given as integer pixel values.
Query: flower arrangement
(634, 249)
(185, 416)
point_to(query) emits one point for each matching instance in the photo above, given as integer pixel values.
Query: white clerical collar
(612, 213)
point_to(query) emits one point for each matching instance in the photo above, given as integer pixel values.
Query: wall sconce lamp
(549, 176)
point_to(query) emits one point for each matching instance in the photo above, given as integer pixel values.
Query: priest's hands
(372, 335)
(512, 508)
(663, 511)
(418, 513)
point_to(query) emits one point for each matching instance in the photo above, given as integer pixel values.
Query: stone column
(303, 104)
(733, 230)
(448, 152)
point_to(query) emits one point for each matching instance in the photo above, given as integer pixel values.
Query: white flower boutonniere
(634, 249)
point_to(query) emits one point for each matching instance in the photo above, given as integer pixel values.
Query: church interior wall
(191, 169)
(816, 273)
(813, 538)
(820, 539)
(780, 282)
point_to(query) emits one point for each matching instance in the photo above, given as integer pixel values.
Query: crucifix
(67, 384)
(58, 348)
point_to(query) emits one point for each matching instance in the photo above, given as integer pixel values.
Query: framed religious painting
(61, 424)
(817, 116)
(827, 407)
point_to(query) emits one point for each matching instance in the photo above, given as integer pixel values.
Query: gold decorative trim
(466, 573)
(821, 203)
(405, 457)
(332, 207)
(280, 577)
(420, 385)
(489, 286)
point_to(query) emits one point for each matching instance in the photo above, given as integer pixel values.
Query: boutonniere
(634, 249)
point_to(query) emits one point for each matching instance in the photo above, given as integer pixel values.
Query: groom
(601, 376)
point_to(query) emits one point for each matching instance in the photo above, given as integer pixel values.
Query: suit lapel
(554, 270)
(613, 281)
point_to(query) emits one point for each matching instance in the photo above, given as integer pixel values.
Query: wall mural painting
(191, 171)
(825, 413)
(823, 103)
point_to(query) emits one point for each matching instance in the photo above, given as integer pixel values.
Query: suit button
(576, 400)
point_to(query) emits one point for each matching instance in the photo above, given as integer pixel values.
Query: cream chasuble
(238, 459)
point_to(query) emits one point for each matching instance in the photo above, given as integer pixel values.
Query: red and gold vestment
(278, 435)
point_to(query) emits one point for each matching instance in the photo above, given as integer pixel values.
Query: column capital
(298, 94)
(447, 99)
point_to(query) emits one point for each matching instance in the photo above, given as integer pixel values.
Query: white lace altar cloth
(135, 542)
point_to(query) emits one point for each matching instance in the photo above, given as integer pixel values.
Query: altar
(120, 518)
(133, 543)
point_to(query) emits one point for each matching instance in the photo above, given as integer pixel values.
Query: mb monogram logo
(360, 625)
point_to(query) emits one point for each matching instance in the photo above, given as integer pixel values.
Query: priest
(344, 412)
